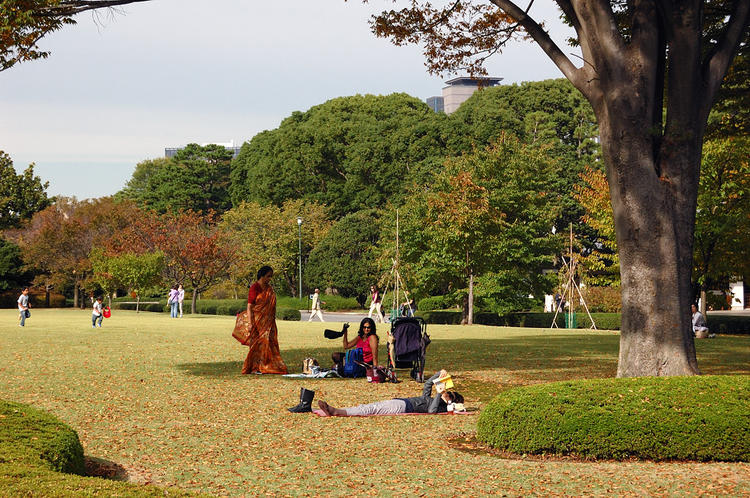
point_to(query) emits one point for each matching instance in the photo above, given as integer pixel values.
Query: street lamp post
(299, 228)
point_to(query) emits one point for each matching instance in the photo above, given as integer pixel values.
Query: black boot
(305, 401)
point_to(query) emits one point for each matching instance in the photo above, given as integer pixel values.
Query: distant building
(171, 151)
(458, 91)
(436, 104)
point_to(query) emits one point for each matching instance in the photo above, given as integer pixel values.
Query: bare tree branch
(542, 38)
(68, 8)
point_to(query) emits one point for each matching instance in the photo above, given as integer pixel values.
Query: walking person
(315, 308)
(264, 356)
(172, 301)
(375, 304)
(180, 297)
(97, 313)
(23, 307)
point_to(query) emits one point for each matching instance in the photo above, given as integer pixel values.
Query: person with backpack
(367, 340)
(418, 404)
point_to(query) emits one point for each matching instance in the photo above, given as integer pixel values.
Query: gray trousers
(389, 407)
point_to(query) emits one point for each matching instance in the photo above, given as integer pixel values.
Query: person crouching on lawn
(420, 404)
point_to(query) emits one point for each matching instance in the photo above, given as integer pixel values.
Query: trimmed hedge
(160, 307)
(703, 418)
(288, 314)
(208, 307)
(30, 435)
(9, 299)
(604, 321)
(728, 324)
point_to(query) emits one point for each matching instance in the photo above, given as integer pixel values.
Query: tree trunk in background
(470, 316)
(192, 302)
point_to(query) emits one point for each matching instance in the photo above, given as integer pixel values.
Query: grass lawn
(163, 398)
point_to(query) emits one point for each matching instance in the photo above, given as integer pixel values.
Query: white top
(97, 308)
(316, 301)
(23, 302)
(180, 295)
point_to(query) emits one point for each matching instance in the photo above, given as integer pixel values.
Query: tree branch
(541, 38)
(68, 8)
(717, 61)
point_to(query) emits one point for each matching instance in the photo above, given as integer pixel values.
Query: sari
(264, 355)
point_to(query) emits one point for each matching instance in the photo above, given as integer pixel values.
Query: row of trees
(476, 226)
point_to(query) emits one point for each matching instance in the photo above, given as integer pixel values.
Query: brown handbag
(242, 328)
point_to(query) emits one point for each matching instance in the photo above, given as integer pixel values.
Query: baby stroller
(407, 345)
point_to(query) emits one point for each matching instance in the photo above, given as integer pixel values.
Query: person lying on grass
(420, 404)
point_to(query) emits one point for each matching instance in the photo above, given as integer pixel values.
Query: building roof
(476, 80)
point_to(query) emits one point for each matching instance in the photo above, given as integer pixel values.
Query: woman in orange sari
(264, 355)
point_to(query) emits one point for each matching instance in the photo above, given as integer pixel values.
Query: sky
(118, 89)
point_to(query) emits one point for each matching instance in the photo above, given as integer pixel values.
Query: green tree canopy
(12, 271)
(20, 195)
(195, 179)
(346, 258)
(269, 235)
(722, 224)
(488, 215)
(350, 153)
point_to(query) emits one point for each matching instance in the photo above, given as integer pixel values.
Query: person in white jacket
(315, 308)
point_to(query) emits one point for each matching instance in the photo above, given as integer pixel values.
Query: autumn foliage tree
(58, 240)
(196, 252)
(601, 266)
(651, 71)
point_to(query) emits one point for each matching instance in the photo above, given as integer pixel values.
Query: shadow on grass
(590, 356)
(105, 469)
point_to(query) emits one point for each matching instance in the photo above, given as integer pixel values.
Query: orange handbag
(242, 328)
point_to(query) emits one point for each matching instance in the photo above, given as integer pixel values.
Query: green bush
(30, 435)
(728, 324)
(720, 301)
(672, 418)
(288, 314)
(435, 303)
(603, 299)
(158, 307)
(9, 299)
(440, 317)
(333, 303)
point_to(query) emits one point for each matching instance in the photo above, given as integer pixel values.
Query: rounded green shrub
(434, 303)
(28, 434)
(657, 418)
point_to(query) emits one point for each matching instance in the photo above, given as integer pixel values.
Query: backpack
(353, 363)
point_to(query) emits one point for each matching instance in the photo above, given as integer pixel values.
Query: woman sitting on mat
(421, 404)
(264, 355)
(366, 339)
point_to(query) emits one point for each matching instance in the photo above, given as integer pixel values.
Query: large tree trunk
(192, 302)
(654, 209)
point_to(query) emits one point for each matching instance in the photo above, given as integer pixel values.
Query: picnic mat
(321, 413)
